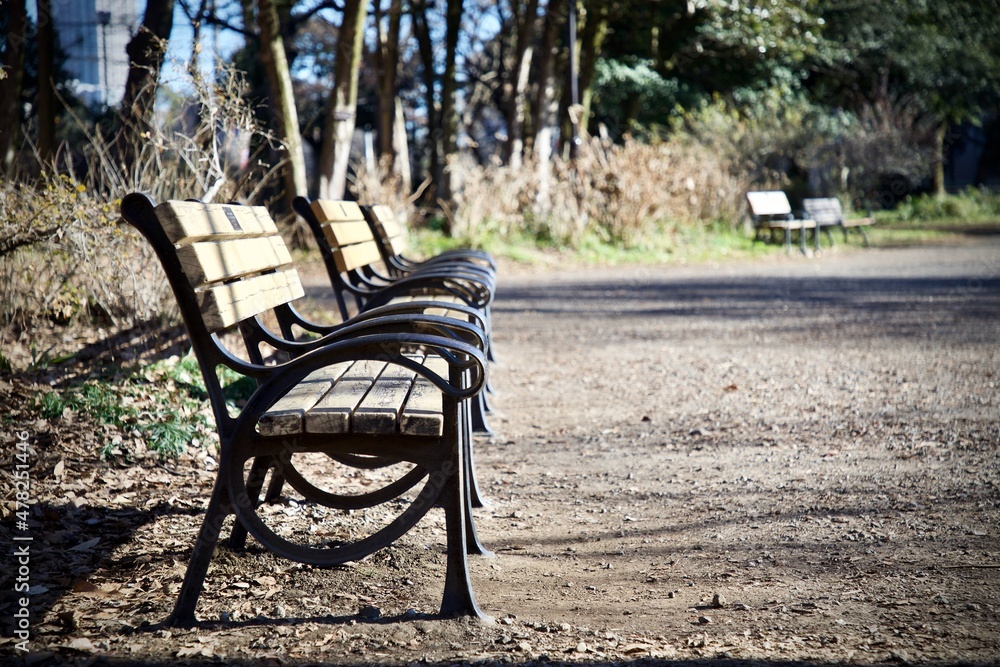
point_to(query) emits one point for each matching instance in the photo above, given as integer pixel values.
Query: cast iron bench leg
(219, 508)
(458, 597)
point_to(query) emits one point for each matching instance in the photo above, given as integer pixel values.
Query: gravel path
(775, 462)
(812, 440)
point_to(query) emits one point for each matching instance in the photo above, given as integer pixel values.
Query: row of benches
(770, 211)
(393, 391)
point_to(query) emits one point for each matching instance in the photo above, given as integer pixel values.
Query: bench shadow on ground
(900, 307)
(758, 296)
(69, 544)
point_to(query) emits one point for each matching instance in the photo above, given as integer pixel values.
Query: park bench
(392, 238)
(352, 257)
(771, 211)
(827, 212)
(361, 279)
(384, 394)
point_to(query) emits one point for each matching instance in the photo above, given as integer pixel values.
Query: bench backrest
(388, 227)
(347, 232)
(233, 257)
(772, 202)
(824, 210)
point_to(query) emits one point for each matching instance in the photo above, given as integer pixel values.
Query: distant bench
(385, 391)
(771, 211)
(827, 212)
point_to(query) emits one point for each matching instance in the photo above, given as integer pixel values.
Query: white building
(94, 34)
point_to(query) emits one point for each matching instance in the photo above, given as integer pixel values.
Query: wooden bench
(827, 212)
(392, 238)
(770, 210)
(385, 394)
(361, 279)
(352, 257)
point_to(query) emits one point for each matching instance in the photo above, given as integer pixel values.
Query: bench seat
(363, 397)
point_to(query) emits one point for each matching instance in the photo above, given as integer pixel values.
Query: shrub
(63, 252)
(621, 192)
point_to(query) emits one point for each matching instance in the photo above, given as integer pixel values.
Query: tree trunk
(401, 149)
(990, 158)
(342, 107)
(518, 85)
(272, 52)
(595, 29)
(568, 134)
(46, 95)
(145, 52)
(937, 175)
(11, 85)
(449, 112)
(434, 148)
(387, 62)
(546, 88)
(546, 108)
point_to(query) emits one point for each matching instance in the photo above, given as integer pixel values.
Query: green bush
(970, 205)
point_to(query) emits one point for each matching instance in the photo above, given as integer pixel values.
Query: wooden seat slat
(228, 304)
(189, 222)
(333, 413)
(424, 412)
(379, 412)
(211, 261)
(287, 415)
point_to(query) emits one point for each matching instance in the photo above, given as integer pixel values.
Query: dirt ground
(779, 462)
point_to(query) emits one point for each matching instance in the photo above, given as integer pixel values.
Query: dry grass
(622, 192)
(64, 253)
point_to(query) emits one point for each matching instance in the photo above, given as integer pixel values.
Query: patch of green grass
(163, 405)
(168, 436)
(669, 244)
(51, 405)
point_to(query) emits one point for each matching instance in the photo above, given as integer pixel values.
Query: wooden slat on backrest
(824, 210)
(385, 218)
(389, 228)
(356, 256)
(347, 233)
(343, 222)
(769, 203)
(229, 303)
(213, 261)
(329, 210)
(233, 257)
(186, 222)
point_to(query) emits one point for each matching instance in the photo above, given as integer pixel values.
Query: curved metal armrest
(421, 307)
(456, 262)
(397, 324)
(477, 297)
(466, 255)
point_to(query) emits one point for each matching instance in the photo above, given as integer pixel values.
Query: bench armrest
(404, 323)
(472, 315)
